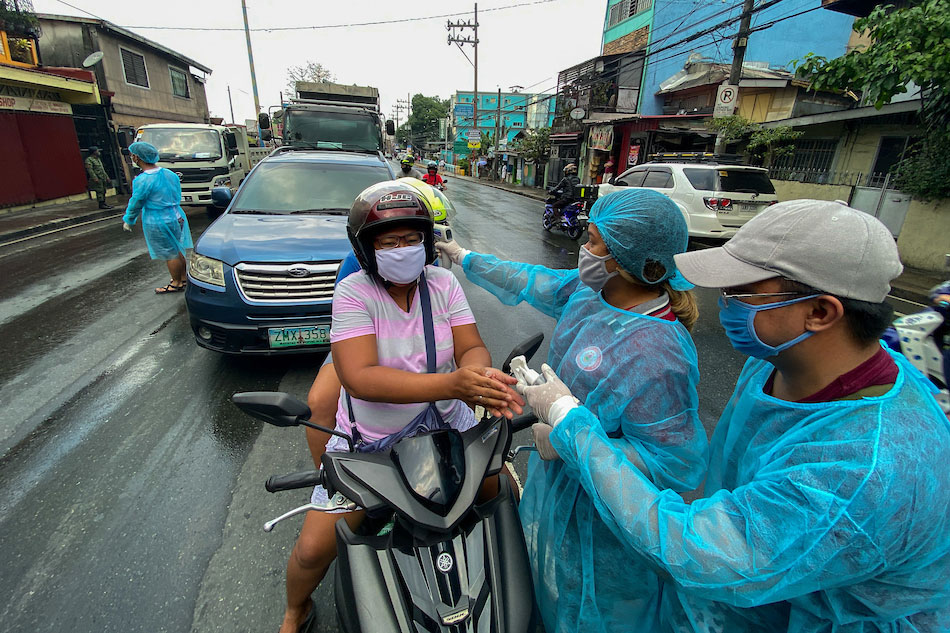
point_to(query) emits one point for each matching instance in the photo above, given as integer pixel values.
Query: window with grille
(810, 154)
(626, 9)
(134, 66)
(179, 83)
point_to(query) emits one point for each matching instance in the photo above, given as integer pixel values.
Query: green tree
(732, 128)
(310, 71)
(910, 45)
(423, 124)
(766, 144)
(535, 145)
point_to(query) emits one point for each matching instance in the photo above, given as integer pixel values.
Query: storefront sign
(633, 157)
(602, 137)
(35, 105)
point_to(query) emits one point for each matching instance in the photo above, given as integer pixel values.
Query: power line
(334, 26)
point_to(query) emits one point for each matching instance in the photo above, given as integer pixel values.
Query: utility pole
(738, 56)
(498, 126)
(459, 40)
(250, 59)
(400, 106)
(231, 104)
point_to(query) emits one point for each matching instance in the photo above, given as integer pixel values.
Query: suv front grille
(286, 283)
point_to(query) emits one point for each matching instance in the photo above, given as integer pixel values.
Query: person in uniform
(98, 178)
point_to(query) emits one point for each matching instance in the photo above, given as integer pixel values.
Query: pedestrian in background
(156, 196)
(98, 178)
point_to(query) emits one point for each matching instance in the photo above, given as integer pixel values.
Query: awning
(69, 90)
(847, 115)
(566, 136)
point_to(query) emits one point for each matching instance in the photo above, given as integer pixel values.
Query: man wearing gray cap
(826, 500)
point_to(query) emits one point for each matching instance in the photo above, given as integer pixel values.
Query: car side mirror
(621, 183)
(390, 127)
(123, 138)
(221, 198)
(611, 181)
(230, 141)
(263, 121)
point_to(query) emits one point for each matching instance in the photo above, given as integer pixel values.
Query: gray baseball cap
(826, 245)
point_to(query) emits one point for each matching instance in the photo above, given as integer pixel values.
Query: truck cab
(203, 156)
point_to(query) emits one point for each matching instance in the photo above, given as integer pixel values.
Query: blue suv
(260, 280)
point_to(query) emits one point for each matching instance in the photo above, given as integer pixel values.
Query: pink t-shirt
(361, 307)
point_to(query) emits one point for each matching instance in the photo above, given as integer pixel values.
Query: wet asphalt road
(131, 494)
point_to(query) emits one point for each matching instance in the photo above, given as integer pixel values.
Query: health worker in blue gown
(826, 505)
(156, 197)
(622, 344)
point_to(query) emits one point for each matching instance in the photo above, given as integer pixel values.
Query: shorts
(338, 445)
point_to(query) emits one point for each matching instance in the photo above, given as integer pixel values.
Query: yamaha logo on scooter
(444, 562)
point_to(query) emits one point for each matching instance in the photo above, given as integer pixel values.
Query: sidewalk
(913, 284)
(16, 225)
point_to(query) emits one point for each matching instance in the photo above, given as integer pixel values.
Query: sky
(524, 45)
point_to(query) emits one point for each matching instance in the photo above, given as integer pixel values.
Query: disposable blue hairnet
(816, 517)
(639, 376)
(641, 225)
(145, 151)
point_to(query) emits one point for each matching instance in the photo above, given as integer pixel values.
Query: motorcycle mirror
(273, 407)
(526, 348)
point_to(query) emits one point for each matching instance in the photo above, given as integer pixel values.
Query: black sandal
(170, 288)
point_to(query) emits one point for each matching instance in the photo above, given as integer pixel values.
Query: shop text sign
(602, 137)
(34, 105)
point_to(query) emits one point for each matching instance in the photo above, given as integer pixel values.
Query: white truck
(204, 156)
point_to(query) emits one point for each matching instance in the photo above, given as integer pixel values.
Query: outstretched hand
(489, 388)
(550, 400)
(453, 251)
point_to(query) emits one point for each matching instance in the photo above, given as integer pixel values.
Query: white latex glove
(127, 227)
(525, 375)
(551, 401)
(453, 251)
(541, 433)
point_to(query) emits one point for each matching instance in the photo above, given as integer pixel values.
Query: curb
(60, 223)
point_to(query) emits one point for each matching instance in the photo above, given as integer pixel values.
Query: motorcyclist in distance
(407, 168)
(564, 189)
(432, 176)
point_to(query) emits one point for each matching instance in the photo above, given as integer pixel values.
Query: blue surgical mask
(738, 319)
(592, 269)
(401, 265)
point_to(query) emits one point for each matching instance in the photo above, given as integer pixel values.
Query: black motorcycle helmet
(381, 206)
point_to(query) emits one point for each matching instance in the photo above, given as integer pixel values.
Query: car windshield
(337, 130)
(183, 144)
(320, 188)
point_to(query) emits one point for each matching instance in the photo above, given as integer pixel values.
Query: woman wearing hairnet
(622, 345)
(156, 196)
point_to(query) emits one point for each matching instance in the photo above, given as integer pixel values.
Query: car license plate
(298, 336)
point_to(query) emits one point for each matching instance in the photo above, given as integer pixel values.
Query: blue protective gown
(157, 197)
(830, 516)
(639, 374)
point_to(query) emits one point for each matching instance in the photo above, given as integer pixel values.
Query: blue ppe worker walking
(826, 505)
(156, 196)
(622, 345)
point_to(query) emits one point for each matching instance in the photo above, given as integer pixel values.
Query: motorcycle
(915, 336)
(428, 556)
(572, 219)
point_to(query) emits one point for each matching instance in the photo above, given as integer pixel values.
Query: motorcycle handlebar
(293, 481)
(523, 422)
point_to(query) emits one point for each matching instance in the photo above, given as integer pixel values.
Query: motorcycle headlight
(210, 271)
(222, 181)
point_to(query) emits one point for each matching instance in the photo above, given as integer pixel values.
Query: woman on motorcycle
(622, 345)
(381, 351)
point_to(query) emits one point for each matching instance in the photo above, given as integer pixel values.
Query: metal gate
(887, 205)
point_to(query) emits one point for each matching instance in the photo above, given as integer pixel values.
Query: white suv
(716, 197)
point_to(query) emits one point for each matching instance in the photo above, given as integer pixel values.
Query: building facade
(148, 82)
(511, 112)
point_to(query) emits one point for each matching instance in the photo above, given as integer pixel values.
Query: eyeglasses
(727, 296)
(393, 241)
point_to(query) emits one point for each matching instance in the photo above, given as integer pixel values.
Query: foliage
(771, 143)
(311, 71)
(731, 128)
(767, 144)
(17, 18)
(464, 164)
(535, 145)
(908, 46)
(423, 124)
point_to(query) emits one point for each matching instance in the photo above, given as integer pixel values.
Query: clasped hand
(487, 387)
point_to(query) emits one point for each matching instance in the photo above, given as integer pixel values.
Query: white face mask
(592, 269)
(401, 265)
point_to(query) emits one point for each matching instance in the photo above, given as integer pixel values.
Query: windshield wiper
(258, 212)
(327, 211)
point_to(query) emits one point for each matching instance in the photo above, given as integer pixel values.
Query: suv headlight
(210, 271)
(222, 181)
